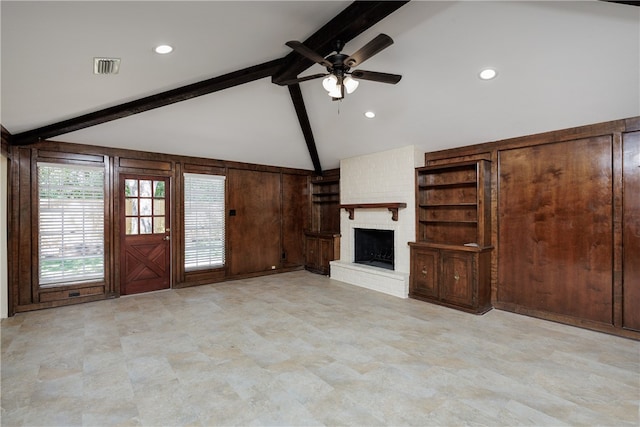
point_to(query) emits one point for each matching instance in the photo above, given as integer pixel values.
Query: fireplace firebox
(374, 248)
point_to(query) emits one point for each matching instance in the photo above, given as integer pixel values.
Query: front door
(145, 256)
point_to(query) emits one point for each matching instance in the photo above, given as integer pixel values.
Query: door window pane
(131, 207)
(158, 189)
(131, 225)
(131, 187)
(158, 224)
(145, 188)
(145, 225)
(145, 206)
(158, 206)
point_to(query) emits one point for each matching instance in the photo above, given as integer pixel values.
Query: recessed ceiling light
(163, 49)
(369, 114)
(488, 74)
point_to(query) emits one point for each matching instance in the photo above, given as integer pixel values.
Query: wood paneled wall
(271, 203)
(631, 230)
(566, 224)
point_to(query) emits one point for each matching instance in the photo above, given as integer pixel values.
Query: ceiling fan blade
(308, 53)
(380, 42)
(376, 77)
(304, 79)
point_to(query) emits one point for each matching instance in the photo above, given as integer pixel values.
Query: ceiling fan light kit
(338, 78)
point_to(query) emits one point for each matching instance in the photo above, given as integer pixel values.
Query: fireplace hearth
(374, 248)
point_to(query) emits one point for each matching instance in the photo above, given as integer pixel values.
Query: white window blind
(71, 223)
(204, 221)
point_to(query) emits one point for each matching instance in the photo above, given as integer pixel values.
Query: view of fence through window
(204, 221)
(71, 223)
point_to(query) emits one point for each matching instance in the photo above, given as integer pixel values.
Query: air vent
(106, 65)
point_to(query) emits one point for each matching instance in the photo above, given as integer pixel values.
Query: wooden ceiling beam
(630, 3)
(161, 99)
(358, 17)
(305, 125)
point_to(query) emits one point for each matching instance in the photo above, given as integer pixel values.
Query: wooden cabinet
(450, 262)
(322, 241)
(320, 248)
(455, 277)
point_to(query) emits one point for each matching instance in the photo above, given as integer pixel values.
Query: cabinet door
(424, 272)
(311, 253)
(457, 278)
(326, 253)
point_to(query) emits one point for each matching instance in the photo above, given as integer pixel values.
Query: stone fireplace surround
(385, 177)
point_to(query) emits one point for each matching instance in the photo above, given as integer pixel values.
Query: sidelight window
(70, 223)
(204, 221)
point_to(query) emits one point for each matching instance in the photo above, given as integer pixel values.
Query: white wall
(4, 178)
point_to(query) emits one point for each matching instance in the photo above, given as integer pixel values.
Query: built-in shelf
(393, 208)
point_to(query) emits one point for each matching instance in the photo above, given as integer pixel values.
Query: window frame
(106, 263)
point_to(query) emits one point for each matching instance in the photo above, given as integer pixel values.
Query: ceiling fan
(339, 77)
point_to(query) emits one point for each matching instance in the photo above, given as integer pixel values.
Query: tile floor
(300, 349)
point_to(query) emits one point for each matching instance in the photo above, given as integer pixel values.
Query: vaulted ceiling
(560, 64)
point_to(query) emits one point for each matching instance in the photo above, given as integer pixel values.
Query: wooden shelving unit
(322, 241)
(450, 260)
(453, 204)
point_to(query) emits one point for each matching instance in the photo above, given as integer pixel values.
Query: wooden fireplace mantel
(393, 208)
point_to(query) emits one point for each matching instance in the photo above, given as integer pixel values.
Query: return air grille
(106, 65)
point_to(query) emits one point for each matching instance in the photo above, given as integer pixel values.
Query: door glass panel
(145, 188)
(145, 225)
(158, 224)
(145, 206)
(131, 207)
(131, 187)
(131, 225)
(158, 207)
(158, 189)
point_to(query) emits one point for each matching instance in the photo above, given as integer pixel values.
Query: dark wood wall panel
(295, 218)
(254, 230)
(555, 228)
(27, 254)
(631, 231)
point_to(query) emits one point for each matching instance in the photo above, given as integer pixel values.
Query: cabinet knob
(456, 276)
(424, 270)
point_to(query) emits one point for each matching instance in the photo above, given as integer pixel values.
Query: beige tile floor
(301, 349)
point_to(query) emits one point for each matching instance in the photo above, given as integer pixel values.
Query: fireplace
(374, 248)
(377, 192)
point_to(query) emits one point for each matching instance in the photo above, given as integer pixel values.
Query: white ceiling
(560, 64)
